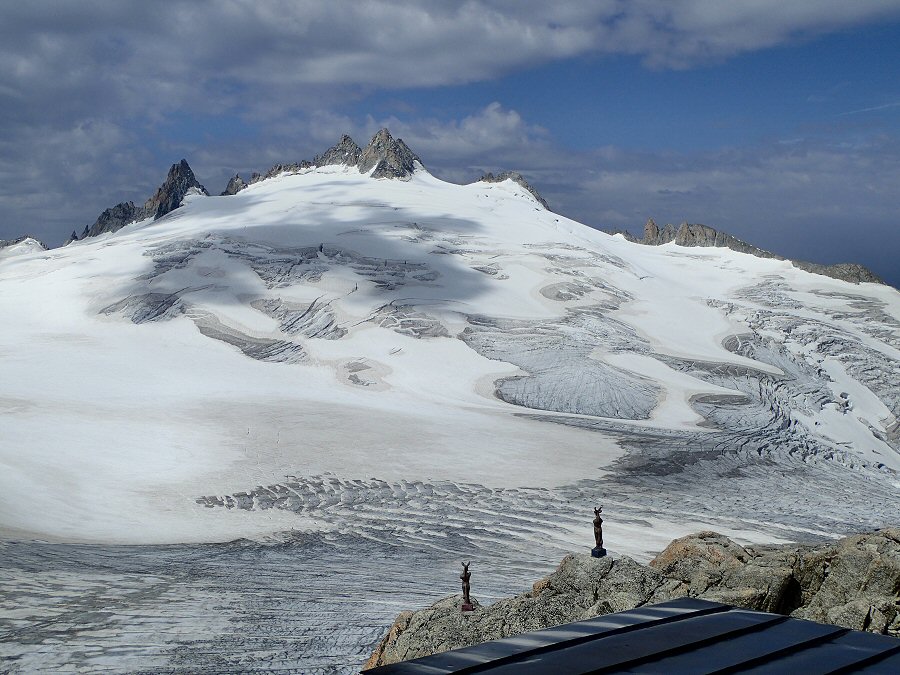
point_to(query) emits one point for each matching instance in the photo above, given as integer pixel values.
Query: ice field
(367, 380)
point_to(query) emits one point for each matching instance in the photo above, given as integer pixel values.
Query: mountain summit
(346, 151)
(179, 182)
(387, 157)
(384, 156)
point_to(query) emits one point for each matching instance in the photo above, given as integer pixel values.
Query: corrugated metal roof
(680, 636)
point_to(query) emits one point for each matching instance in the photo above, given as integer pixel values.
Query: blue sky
(778, 122)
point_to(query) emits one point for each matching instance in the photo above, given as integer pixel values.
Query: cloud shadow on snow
(392, 256)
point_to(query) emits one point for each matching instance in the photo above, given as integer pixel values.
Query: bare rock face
(113, 219)
(170, 194)
(518, 178)
(168, 197)
(235, 185)
(346, 151)
(387, 157)
(854, 583)
(711, 566)
(695, 234)
(580, 588)
(651, 232)
(852, 272)
(703, 235)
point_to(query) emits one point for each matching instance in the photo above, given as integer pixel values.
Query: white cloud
(82, 85)
(486, 132)
(136, 57)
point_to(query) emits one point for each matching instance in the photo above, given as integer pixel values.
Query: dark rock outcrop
(172, 192)
(695, 234)
(346, 151)
(235, 185)
(384, 156)
(518, 178)
(179, 182)
(114, 219)
(852, 272)
(279, 169)
(387, 157)
(854, 582)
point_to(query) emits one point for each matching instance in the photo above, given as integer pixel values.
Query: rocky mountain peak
(113, 219)
(235, 185)
(387, 157)
(345, 151)
(516, 177)
(179, 182)
(170, 194)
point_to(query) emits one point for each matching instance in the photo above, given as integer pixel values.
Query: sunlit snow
(451, 370)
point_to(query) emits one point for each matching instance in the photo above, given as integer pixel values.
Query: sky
(778, 122)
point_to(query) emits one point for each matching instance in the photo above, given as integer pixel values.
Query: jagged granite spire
(235, 185)
(516, 177)
(346, 151)
(167, 198)
(171, 193)
(387, 157)
(113, 219)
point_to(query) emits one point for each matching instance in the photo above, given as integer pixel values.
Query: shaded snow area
(366, 381)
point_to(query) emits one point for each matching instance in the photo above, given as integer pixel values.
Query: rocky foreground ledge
(854, 582)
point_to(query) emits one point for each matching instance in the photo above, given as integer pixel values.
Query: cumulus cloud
(65, 59)
(817, 199)
(97, 98)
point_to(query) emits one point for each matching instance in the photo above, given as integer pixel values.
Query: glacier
(251, 431)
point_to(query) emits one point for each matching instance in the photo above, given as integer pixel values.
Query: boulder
(580, 588)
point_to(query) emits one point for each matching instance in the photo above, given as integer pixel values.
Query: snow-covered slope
(402, 359)
(26, 244)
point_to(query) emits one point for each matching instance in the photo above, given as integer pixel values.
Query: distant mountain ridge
(384, 157)
(179, 182)
(389, 157)
(695, 234)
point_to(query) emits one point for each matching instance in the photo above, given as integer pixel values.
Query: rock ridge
(36, 244)
(518, 178)
(384, 156)
(387, 157)
(853, 582)
(179, 182)
(696, 234)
